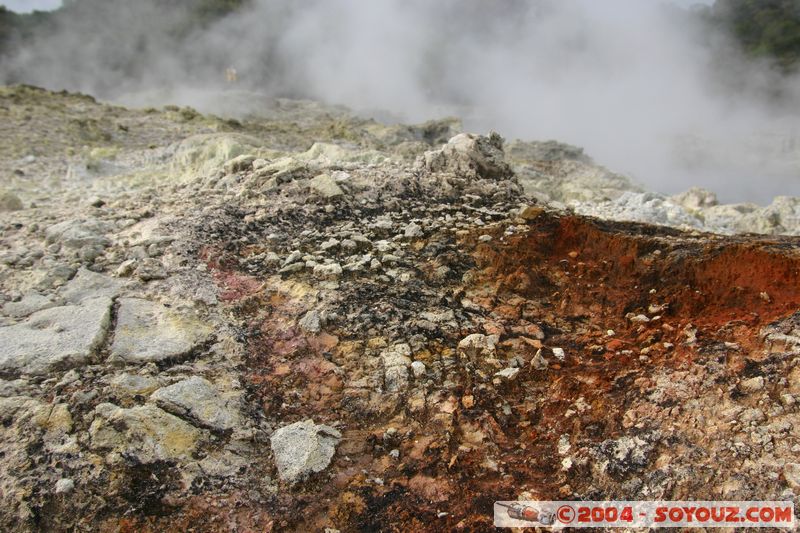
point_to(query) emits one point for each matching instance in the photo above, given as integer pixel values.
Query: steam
(640, 84)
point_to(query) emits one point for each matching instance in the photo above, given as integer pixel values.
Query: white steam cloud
(640, 84)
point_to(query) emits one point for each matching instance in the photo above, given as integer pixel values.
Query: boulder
(469, 155)
(303, 448)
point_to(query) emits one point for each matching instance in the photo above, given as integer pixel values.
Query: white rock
(303, 448)
(508, 373)
(479, 344)
(418, 369)
(64, 486)
(559, 354)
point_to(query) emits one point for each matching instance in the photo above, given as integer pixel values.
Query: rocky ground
(309, 321)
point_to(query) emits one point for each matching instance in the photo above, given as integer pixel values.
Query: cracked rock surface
(309, 320)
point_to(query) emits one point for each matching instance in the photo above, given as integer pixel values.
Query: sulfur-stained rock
(59, 337)
(148, 331)
(303, 448)
(202, 154)
(144, 433)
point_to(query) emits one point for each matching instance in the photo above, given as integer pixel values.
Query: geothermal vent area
(310, 321)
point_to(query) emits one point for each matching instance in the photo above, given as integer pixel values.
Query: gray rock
(329, 244)
(326, 186)
(148, 331)
(293, 257)
(538, 362)
(197, 400)
(88, 284)
(303, 448)
(16, 387)
(695, 198)
(239, 163)
(54, 277)
(396, 361)
(78, 233)
(752, 415)
(529, 151)
(9, 202)
(311, 322)
(329, 271)
(625, 455)
(126, 268)
(29, 304)
(294, 267)
(412, 230)
(150, 269)
(55, 338)
(224, 465)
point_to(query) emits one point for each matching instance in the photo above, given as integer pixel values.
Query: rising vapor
(642, 85)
